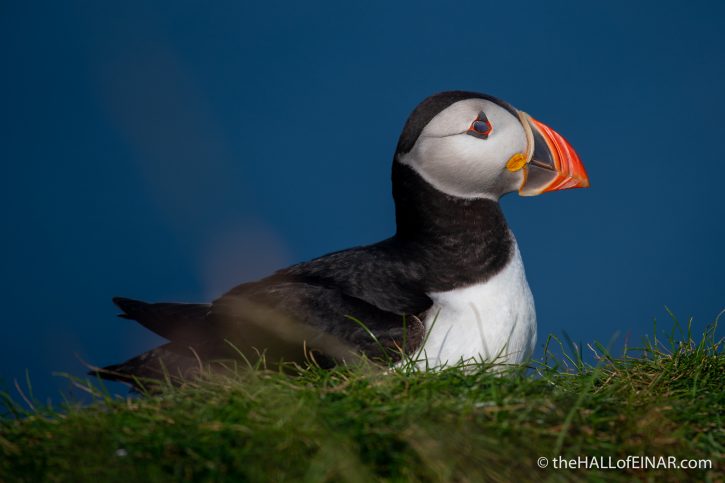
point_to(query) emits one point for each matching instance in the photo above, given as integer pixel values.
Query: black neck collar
(454, 238)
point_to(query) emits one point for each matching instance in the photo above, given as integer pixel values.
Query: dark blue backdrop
(168, 150)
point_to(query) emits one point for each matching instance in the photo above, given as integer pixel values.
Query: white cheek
(468, 167)
(456, 165)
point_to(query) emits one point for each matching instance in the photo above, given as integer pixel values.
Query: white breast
(493, 321)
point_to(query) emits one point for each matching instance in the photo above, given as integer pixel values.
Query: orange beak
(553, 164)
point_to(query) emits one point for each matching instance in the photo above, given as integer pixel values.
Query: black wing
(340, 293)
(363, 300)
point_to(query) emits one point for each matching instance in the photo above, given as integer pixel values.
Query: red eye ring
(481, 127)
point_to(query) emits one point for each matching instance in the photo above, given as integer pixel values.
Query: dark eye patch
(481, 127)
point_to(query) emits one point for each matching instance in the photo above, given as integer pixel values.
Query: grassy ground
(366, 424)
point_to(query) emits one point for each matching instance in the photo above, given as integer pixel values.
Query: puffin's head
(473, 145)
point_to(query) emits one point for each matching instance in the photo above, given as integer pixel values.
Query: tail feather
(164, 363)
(175, 322)
(202, 340)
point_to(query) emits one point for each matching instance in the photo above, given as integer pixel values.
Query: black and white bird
(449, 285)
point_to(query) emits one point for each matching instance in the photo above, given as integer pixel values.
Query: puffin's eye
(481, 127)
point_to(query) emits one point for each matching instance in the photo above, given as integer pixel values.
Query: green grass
(367, 424)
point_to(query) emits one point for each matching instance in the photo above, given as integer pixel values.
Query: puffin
(448, 287)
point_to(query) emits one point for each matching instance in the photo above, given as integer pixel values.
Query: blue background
(166, 151)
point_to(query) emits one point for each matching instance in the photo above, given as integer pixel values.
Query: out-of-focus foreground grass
(364, 423)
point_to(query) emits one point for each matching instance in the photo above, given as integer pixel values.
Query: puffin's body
(449, 286)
